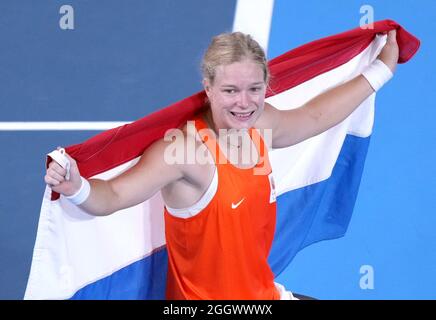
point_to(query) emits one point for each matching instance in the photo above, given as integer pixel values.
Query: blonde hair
(228, 48)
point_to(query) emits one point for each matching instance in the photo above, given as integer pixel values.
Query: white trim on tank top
(196, 208)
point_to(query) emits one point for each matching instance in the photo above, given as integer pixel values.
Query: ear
(206, 86)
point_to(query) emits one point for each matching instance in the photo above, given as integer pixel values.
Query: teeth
(242, 115)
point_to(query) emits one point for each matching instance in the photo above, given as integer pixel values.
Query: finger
(51, 181)
(392, 35)
(55, 166)
(55, 175)
(58, 169)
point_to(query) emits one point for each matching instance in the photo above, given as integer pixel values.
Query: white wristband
(80, 196)
(377, 74)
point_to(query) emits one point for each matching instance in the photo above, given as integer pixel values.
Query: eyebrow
(233, 86)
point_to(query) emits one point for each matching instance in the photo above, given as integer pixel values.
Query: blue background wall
(125, 59)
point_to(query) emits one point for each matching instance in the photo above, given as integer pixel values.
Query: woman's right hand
(390, 52)
(55, 177)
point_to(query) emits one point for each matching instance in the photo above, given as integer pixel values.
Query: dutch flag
(123, 256)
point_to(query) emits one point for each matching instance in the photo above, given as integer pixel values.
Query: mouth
(242, 116)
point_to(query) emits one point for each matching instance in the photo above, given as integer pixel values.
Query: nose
(243, 100)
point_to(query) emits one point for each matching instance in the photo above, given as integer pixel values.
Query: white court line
(251, 16)
(254, 17)
(64, 126)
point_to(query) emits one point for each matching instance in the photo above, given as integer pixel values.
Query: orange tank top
(221, 253)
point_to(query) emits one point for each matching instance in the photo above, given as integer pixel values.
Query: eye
(256, 89)
(229, 91)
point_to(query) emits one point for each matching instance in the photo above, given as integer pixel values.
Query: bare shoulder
(166, 151)
(178, 154)
(191, 156)
(155, 159)
(269, 117)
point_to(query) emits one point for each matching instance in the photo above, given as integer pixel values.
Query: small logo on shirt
(234, 206)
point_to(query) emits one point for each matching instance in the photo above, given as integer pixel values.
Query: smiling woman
(234, 206)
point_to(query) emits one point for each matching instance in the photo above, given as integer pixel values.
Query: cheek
(219, 107)
(258, 101)
(222, 102)
(260, 97)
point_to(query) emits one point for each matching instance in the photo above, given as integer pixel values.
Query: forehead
(241, 72)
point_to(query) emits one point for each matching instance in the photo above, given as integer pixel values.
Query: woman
(220, 213)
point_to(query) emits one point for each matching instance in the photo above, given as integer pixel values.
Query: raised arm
(327, 109)
(134, 186)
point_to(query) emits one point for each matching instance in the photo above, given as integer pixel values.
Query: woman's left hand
(390, 52)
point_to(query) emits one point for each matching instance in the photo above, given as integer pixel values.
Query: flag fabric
(123, 255)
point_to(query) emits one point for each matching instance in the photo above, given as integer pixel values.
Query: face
(237, 95)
